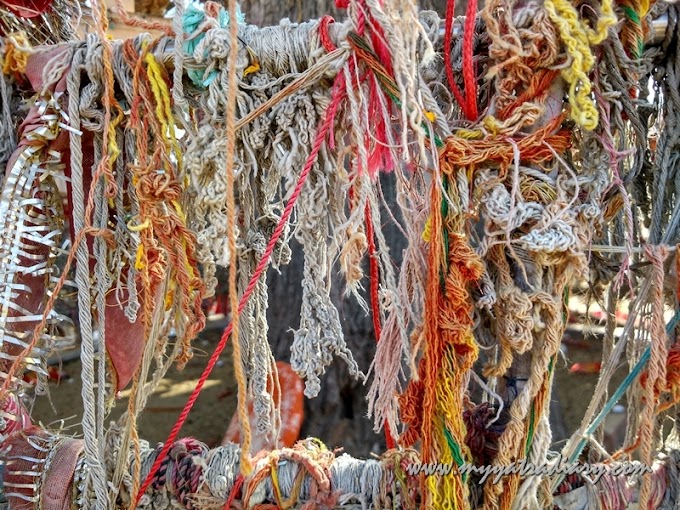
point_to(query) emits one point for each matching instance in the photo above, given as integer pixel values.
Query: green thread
(530, 435)
(532, 415)
(387, 83)
(631, 14)
(456, 452)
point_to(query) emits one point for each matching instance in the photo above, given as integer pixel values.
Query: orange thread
(535, 148)
(433, 403)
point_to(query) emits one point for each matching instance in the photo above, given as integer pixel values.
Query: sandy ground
(207, 422)
(213, 410)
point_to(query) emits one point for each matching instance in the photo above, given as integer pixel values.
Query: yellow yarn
(644, 8)
(180, 212)
(492, 125)
(470, 134)
(114, 151)
(139, 228)
(183, 218)
(164, 113)
(448, 488)
(169, 295)
(161, 94)
(139, 264)
(578, 38)
(427, 231)
(17, 50)
(254, 65)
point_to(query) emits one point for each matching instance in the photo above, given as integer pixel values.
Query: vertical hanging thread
(656, 372)
(375, 299)
(469, 75)
(246, 466)
(448, 35)
(337, 95)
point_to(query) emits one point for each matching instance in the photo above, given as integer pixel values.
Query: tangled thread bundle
(525, 155)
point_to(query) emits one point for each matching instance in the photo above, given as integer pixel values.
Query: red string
(324, 35)
(234, 491)
(448, 27)
(324, 128)
(469, 75)
(375, 302)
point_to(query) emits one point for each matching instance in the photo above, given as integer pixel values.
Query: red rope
(337, 96)
(234, 491)
(448, 27)
(325, 37)
(375, 302)
(469, 75)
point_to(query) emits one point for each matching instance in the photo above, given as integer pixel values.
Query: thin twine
(109, 153)
(89, 419)
(246, 466)
(656, 372)
(132, 21)
(337, 96)
(375, 300)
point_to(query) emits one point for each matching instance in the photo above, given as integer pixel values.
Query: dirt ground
(207, 422)
(213, 410)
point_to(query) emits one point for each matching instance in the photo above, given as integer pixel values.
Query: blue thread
(194, 16)
(622, 389)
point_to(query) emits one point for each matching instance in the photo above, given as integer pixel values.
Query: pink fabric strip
(56, 489)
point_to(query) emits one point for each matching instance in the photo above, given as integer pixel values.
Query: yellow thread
(255, 63)
(450, 486)
(470, 172)
(17, 51)
(430, 115)
(163, 111)
(251, 69)
(189, 269)
(169, 295)
(275, 480)
(139, 264)
(114, 151)
(578, 38)
(139, 228)
(644, 8)
(180, 212)
(492, 125)
(427, 231)
(469, 134)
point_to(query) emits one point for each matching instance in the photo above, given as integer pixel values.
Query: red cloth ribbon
(27, 8)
